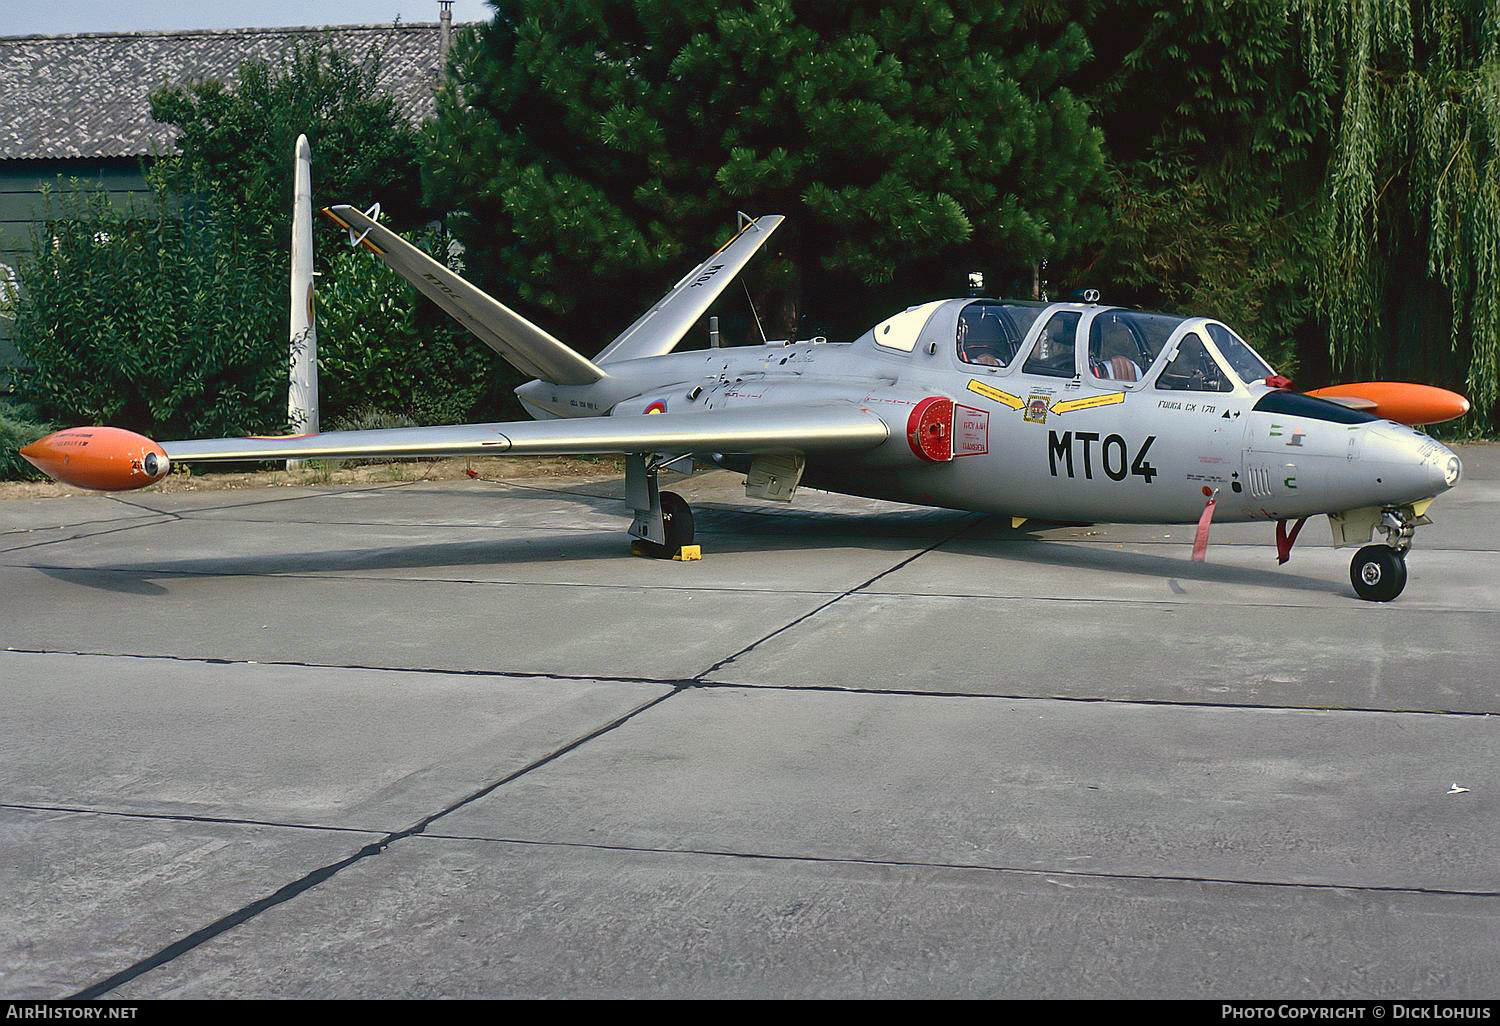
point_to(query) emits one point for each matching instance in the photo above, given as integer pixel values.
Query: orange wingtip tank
(105, 459)
(1402, 401)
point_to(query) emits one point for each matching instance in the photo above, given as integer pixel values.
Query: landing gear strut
(1378, 572)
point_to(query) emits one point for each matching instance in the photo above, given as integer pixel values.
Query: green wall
(21, 204)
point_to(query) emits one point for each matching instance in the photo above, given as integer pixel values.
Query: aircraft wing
(660, 328)
(112, 459)
(527, 347)
(807, 428)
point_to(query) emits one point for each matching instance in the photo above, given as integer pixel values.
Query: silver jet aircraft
(1057, 412)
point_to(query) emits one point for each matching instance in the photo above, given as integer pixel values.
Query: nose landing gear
(1378, 572)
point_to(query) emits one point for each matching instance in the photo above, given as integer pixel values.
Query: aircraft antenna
(752, 312)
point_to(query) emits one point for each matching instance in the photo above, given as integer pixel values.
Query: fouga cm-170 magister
(1057, 412)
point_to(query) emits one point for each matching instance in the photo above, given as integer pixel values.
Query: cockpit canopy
(1128, 347)
(990, 333)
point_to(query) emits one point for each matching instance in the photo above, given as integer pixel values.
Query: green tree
(173, 320)
(1323, 174)
(1411, 285)
(383, 346)
(151, 319)
(240, 138)
(18, 430)
(597, 146)
(1217, 138)
(380, 343)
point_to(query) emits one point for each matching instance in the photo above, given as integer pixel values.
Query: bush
(159, 320)
(368, 418)
(18, 430)
(382, 345)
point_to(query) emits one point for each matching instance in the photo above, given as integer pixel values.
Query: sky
(57, 17)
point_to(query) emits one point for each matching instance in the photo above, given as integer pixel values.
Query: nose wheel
(1378, 573)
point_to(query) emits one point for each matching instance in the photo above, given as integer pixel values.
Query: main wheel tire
(677, 526)
(677, 519)
(1378, 573)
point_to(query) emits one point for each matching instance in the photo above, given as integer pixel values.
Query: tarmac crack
(178, 817)
(361, 667)
(372, 578)
(247, 503)
(163, 518)
(76, 524)
(339, 575)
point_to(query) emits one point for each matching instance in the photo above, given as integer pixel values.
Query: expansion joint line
(952, 536)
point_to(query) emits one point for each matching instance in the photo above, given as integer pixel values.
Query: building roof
(88, 95)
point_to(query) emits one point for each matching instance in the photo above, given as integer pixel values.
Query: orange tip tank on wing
(106, 459)
(1400, 401)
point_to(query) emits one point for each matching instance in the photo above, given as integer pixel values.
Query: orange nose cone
(1402, 401)
(105, 459)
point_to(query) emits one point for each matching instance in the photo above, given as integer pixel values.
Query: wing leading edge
(113, 459)
(821, 427)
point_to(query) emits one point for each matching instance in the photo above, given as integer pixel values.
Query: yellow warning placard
(1089, 403)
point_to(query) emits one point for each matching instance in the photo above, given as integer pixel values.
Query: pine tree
(599, 146)
(1217, 135)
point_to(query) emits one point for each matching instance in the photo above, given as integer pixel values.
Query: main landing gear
(677, 527)
(1378, 572)
(663, 523)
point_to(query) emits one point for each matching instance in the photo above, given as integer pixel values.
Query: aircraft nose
(1417, 462)
(1442, 466)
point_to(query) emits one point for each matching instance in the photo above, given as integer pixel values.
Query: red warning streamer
(1285, 541)
(1200, 540)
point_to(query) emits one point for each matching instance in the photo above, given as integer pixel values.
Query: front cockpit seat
(983, 340)
(1117, 368)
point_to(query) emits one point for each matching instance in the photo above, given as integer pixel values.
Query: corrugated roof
(87, 95)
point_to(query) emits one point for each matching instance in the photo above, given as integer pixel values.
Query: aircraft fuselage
(1047, 446)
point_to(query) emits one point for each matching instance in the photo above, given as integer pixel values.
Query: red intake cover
(929, 429)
